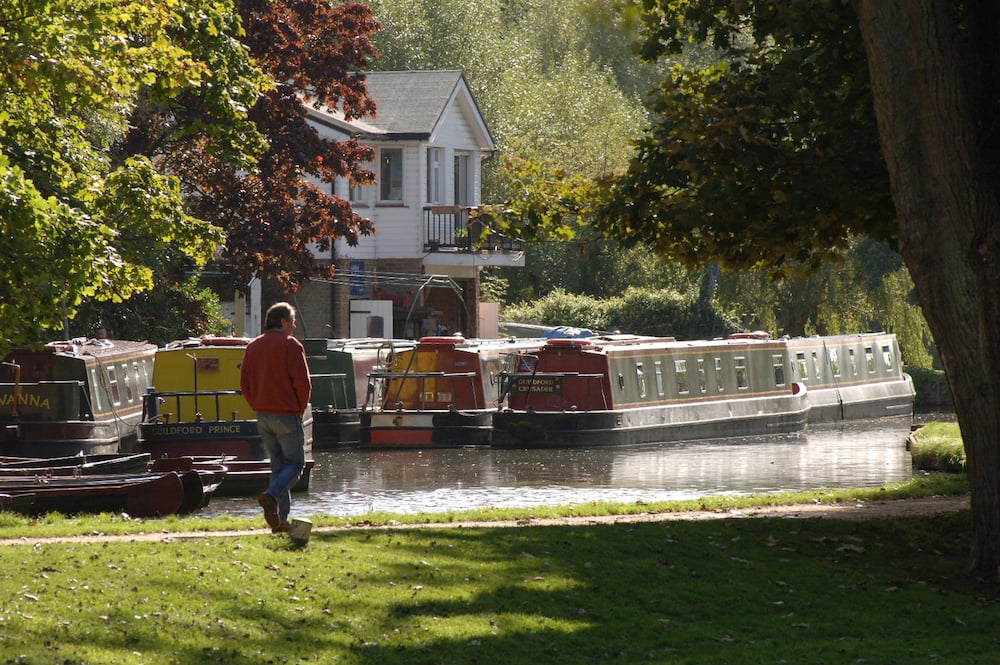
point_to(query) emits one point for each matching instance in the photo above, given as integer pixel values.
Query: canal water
(357, 482)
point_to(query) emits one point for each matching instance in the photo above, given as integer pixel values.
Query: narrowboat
(138, 495)
(852, 377)
(442, 392)
(339, 370)
(626, 389)
(80, 396)
(194, 407)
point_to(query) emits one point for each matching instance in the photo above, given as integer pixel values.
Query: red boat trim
(570, 342)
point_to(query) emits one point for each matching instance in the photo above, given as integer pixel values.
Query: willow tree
(823, 120)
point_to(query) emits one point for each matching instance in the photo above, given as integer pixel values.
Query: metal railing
(464, 229)
(153, 403)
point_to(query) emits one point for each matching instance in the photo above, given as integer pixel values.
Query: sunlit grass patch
(938, 446)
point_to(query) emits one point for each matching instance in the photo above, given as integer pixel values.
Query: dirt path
(850, 510)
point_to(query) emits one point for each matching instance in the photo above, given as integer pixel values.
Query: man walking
(275, 382)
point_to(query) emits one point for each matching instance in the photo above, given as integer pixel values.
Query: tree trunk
(949, 221)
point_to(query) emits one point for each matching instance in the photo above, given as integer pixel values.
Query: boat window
(853, 361)
(740, 365)
(778, 363)
(702, 376)
(640, 377)
(718, 375)
(680, 367)
(834, 360)
(869, 359)
(658, 370)
(816, 365)
(800, 365)
(887, 357)
(621, 381)
(116, 397)
(98, 394)
(127, 380)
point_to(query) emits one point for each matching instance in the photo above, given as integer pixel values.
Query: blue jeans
(285, 440)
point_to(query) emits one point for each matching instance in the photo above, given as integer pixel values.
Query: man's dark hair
(277, 313)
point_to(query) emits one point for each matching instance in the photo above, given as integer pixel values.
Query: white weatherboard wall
(371, 318)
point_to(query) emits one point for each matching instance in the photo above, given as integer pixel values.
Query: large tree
(76, 223)
(773, 159)
(273, 210)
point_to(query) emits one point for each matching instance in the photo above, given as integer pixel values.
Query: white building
(420, 273)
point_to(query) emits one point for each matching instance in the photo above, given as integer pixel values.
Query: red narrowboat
(440, 393)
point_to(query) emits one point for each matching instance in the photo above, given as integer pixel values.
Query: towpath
(848, 510)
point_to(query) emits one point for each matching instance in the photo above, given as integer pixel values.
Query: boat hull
(141, 495)
(336, 429)
(863, 402)
(766, 417)
(196, 388)
(74, 397)
(623, 389)
(239, 439)
(430, 429)
(441, 393)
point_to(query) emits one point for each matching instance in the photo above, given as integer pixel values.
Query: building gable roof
(411, 105)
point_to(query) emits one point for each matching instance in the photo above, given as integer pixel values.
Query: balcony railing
(463, 229)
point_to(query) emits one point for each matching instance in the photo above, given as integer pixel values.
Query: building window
(435, 175)
(362, 194)
(463, 180)
(390, 175)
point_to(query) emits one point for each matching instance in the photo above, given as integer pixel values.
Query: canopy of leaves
(76, 223)
(271, 207)
(767, 158)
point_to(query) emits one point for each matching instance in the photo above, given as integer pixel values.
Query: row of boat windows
(681, 376)
(800, 367)
(121, 381)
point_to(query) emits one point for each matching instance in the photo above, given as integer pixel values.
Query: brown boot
(270, 506)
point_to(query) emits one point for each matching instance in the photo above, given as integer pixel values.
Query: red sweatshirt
(275, 376)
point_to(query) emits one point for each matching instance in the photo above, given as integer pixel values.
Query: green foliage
(938, 446)
(599, 267)
(79, 220)
(637, 311)
(767, 158)
(194, 310)
(866, 290)
(931, 385)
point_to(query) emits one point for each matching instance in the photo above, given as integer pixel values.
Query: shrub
(638, 311)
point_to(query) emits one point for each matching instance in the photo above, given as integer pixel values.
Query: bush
(938, 447)
(931, 386)
(638, 311)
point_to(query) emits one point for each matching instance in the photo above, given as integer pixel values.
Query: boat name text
(175, 430)
(27, 399)
(538, 384)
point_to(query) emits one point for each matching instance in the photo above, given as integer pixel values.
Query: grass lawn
(732, 590)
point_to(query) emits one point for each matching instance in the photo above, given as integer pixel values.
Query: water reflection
(355, 482)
